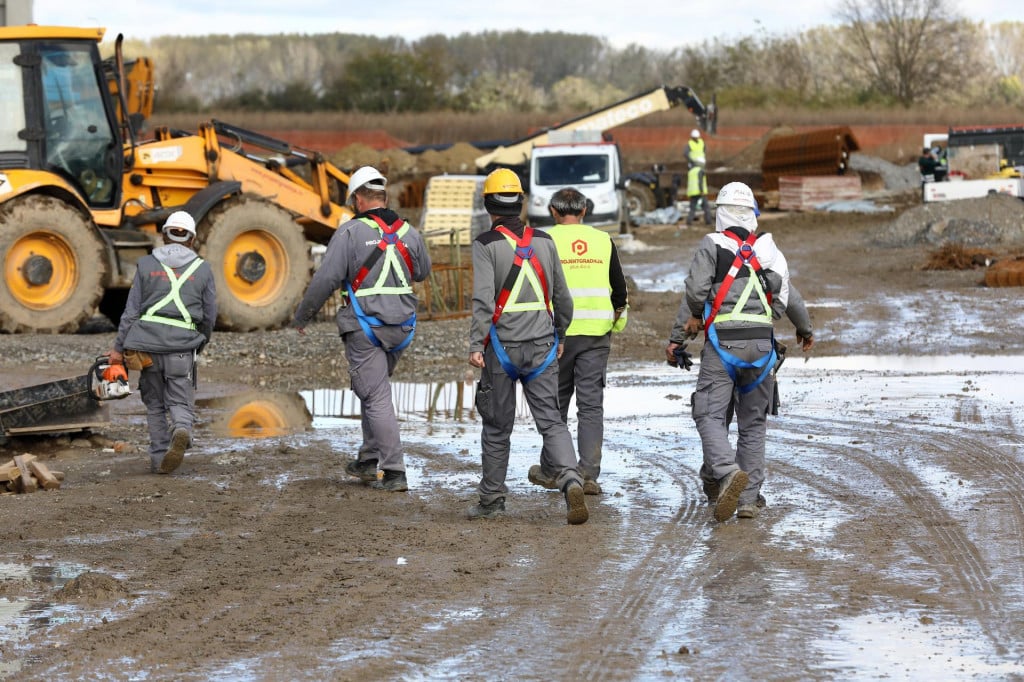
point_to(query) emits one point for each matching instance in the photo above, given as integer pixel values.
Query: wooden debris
(26, 474)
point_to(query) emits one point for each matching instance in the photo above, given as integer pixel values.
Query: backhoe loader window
(12, 106)
(79, 139)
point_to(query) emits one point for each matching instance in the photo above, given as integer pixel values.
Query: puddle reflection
(20, 615)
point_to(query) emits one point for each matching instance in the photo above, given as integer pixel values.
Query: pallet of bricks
(26, 474)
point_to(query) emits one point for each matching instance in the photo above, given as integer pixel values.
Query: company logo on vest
(579, 247)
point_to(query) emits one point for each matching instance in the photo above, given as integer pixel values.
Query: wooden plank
(43, 474)
(26, 482)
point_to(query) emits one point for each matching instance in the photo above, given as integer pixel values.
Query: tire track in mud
(961, 559)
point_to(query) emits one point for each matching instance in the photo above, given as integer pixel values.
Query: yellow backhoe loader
(81, 199)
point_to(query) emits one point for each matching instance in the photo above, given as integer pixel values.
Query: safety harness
(511, 289)
(756, 282)
(390, 247)
(173, 296)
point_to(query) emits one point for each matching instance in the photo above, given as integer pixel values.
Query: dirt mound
(983, 222)
(92, 586)
(893, 177)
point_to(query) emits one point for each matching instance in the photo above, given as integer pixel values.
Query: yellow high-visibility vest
(585, 254)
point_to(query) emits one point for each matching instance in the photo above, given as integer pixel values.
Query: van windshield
(572, 169)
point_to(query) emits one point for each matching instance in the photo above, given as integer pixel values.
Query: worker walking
(374, 258)
(521, 309)
(696, 178)
(168, 318)
(594, 276)
(738, 283)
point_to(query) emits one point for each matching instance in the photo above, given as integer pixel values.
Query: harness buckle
(524, 252)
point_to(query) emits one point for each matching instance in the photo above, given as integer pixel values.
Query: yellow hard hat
(503, 181)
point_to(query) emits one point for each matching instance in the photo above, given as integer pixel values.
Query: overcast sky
(658, 25)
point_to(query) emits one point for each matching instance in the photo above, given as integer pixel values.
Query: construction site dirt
(891, 546)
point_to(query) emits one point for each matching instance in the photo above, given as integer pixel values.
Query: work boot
(365, 471)
(730, 488)
(487, 511)
(392, 481)
(747, 511)
(710, 489)
(537, 477)
(591, 487)
(176, 451)
(576, 506)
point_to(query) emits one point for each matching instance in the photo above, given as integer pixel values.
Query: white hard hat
(182, 220)
(737, 194)
(695, 133)
(368, 177)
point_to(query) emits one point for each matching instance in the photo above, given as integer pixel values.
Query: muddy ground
(892, 545)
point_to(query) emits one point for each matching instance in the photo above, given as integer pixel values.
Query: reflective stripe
(737, 314)
(593, 314)
(595, 292)
(392, 263)
(526, 274)
(173, 296)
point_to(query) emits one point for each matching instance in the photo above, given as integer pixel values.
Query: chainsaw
(109, 381)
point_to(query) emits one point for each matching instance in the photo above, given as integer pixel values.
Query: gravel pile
(983, 222)
(895, 178)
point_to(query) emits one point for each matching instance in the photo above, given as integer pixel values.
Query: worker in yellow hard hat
(521, 309)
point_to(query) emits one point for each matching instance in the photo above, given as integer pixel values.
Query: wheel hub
(37, 270)
(252, 266)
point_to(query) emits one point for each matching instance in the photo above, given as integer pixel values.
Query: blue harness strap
(733, 363)
(368, 322)
(515, 373)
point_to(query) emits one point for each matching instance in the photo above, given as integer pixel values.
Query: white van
(595, 169)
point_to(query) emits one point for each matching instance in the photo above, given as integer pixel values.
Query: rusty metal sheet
(818, 152)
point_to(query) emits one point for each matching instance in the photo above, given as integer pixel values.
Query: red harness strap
(524, 252)
(389, 235)
(744, 256)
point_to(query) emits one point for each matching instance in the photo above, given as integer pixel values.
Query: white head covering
(735, 216)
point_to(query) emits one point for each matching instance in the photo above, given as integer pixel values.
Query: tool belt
(137, 359)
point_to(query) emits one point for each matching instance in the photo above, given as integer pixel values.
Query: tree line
(884, 52)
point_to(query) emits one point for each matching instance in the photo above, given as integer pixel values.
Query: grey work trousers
(582, 370)
(370, 369)
(168, 392)
(710, 406)
(496, 403)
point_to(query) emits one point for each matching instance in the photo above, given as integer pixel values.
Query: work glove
(683, 360)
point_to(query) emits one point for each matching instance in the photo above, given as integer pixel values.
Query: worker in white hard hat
(521, 310)
(374, 258)
(736, 286)
(168, 319)
(696, 178)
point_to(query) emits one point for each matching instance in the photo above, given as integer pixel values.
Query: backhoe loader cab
(81, 199)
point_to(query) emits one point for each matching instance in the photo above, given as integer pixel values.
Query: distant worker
(374, 258)
(521, 309)
(168, 319)
(598, 289)
(696, 178)
(927, 165)
(738, 283)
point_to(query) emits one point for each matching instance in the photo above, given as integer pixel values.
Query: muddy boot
(591, 487)
(576, 504)
(392, 481)
(536, 476)
(490, 510)
(176, 451)
(365, 471)
(730, 488)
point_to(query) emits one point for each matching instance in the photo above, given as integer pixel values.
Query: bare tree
(907, 50)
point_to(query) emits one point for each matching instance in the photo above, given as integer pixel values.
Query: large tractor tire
(54, 266)
(261, 263)
(639, 200)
